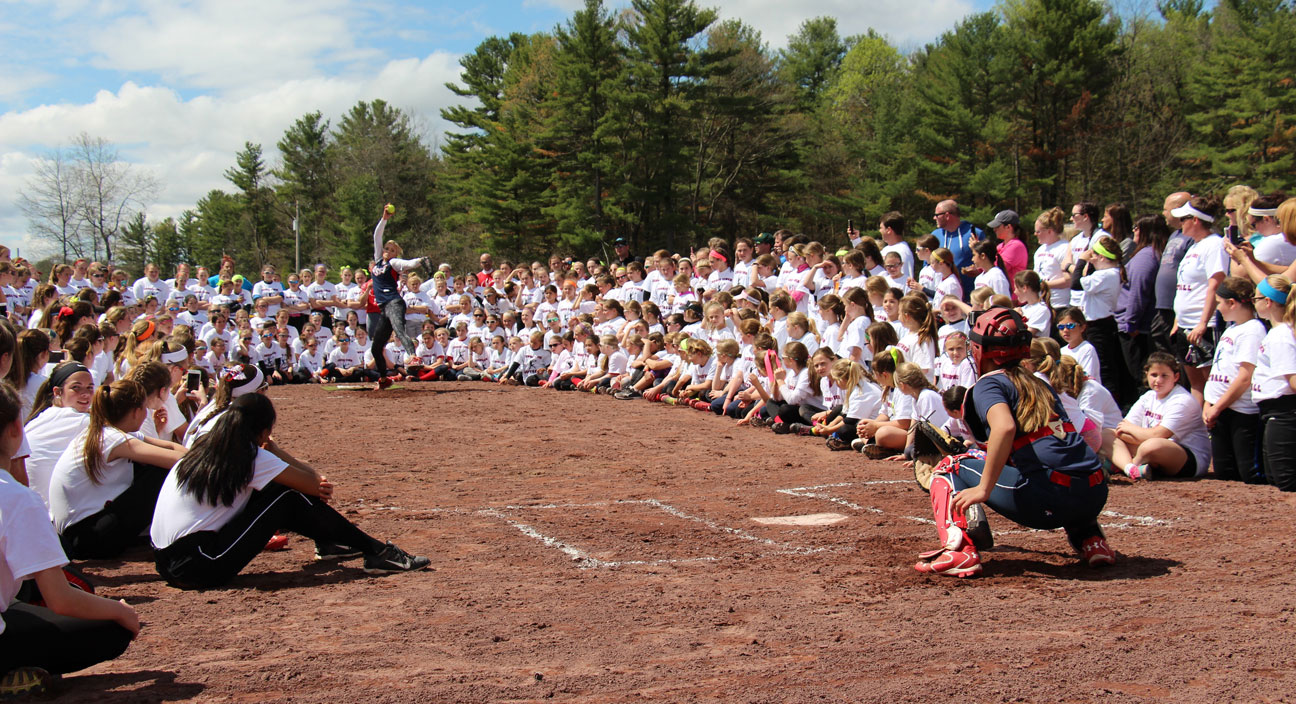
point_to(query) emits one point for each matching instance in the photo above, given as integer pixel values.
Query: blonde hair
(803, 321)
(848, 374)
(980, 296)
(1240, 198)
(728, 348)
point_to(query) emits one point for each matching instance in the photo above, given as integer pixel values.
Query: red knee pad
(951, 524)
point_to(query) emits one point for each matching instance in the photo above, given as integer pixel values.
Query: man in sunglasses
(957, 235)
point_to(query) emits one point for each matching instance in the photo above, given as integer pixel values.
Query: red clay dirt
(589, 549)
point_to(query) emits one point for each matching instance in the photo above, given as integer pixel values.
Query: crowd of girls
(1167, 340)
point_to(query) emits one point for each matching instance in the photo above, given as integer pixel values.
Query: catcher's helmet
(1000, 335)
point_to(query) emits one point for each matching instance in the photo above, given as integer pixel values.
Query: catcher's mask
(999, 335)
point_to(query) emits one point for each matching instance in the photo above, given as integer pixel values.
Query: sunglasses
(1067, 326)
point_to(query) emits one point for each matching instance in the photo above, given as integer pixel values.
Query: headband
(1263, 212)
(1097, 247)
(243, 379)
(1187, 209)
(176, 357)
(1273, 294)
(721, 257)
(63, 372)
(148, 331)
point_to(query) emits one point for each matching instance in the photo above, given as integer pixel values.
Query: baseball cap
(620, 242)
(1005, 217)
(764, 238)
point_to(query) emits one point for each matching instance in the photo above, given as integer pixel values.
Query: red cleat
(1095, 552)
(277, 542)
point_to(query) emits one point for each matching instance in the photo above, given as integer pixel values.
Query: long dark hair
(220, 463)
(1153, 232)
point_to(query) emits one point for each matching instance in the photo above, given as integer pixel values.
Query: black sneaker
(333, 551)
(392, 559)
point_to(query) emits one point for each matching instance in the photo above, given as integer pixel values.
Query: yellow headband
(1097, 247)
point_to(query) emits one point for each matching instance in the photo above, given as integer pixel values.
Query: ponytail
(220, 464)
(110, 405)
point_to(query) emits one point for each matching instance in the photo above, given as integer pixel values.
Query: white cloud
(237, 45)
(187, 144)
(905, 22)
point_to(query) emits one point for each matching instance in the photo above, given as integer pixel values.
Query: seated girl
(74, 629)
(105, 484)
(228, 496)
(1163, 433)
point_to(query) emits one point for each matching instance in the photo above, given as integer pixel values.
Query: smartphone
(193, 379)
(1234, 235)
(56, 356)
(850, 226)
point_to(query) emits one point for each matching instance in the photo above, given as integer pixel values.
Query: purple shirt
(1135, 306)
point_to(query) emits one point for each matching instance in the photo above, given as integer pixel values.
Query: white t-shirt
(856, 336)
(49, 434)
(72, 495)
(948, 286)
(1204, 259)
(1238, 344)
(1275, 249)
(175, 419)
(180, 513)
(1102, 288)
(346, 360)
(1039, 318)
(261, 288)
(921, 353)
(948, 374)
(995, 279)
(1087, 357)
(929, 407)
(865, 402)
(1048, 264)
(1179, 413)
(28, 543)
(1274, 363)
(1098, 405)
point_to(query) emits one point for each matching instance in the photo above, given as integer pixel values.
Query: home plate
(813, 519)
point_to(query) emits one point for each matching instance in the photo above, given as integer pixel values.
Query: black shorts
(1201, 354)
(1189, 469)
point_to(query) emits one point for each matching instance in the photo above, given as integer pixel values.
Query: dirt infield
(578, 559)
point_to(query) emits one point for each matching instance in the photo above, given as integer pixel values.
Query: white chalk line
(584, 560)
(810, 492)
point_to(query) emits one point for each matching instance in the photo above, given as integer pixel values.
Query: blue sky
(179, 85)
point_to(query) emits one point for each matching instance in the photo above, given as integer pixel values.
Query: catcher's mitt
(929, 446)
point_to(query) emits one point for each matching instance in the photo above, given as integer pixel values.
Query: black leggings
(111, 531)
(1278, 449)
(34, 636)
(1235, 445)
(1102, 334)
(211, 558)
(360, 374)
(391, 321)
(789, 413)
